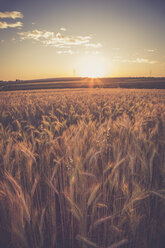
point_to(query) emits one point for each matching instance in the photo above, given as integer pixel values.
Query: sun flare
(92, 67)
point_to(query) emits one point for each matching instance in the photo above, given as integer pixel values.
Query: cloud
(55, 39)
(147, 61)
(65, 43)
(67, 52)
(139, 61)
(150, 50)
(11, 14)
(36, 35)
(92, 45)
(92, 52)
(63, 29)
(134, 61)
(4, 25)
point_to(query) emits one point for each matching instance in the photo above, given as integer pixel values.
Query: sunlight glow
(92, 67)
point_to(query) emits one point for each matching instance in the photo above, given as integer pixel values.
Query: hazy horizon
(74, 78)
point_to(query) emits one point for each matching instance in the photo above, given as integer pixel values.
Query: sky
(95, 38)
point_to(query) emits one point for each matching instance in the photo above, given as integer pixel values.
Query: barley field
(82, 168)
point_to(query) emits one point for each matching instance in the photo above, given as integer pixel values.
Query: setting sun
(92, 67)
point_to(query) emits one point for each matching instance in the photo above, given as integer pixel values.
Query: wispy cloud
(66, 44)
(135, 61)
(67, 52)
(36, 35)
(4, 25)
(140, 61)
(11, 14)
(150, 50)
(92, 45)
(92, 52)
(63, 29)
(55, 39)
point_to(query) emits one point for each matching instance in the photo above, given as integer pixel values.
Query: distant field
(82, 168)
(61, 83)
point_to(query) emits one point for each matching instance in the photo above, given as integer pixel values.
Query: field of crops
(82, 168)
